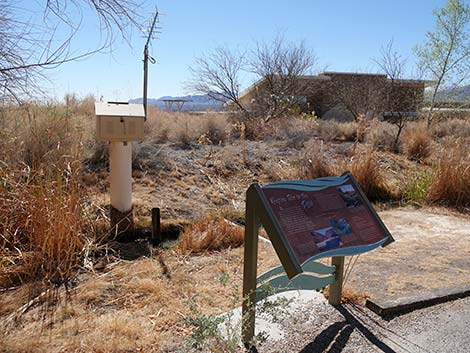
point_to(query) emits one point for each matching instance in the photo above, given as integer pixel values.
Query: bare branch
(27, 49)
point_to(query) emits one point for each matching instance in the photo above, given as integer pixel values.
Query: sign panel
(321, 216)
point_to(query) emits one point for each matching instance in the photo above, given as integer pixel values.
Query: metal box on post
(118, 121)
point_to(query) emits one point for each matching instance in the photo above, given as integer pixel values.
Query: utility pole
(148, 58)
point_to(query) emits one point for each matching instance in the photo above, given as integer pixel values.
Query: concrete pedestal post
(120, 166)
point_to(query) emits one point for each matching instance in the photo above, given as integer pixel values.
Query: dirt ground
(431, 250)
(142, 304)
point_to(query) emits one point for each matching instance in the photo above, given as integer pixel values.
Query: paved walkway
(313, 326)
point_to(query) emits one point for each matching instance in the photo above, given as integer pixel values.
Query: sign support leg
(249, 275)
(336, 287)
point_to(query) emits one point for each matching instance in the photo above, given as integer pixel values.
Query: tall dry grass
(371, 176)
(42, 227)
(364, 165)
(185, 129)
(417, 142)
(211, 233)
(451, 182)
(43, 223)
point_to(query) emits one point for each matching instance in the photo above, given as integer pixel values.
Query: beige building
(343, 95)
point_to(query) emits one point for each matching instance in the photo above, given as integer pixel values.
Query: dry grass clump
(417, 142)
(42, 227)
(42, 211)
(185, 129)
(314, 163)
(349, 130)
(382, 136)
(451, 127)
(210, 234)
(215, 130)
(349, 296)
(329, 130)
(366, 169)
(364, 166)
(451, 182)
(295, 131)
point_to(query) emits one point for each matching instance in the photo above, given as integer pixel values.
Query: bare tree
(280, 65)
(446, 54)
(28, 48)
(359, 94)
(398, 101)
(218, 75)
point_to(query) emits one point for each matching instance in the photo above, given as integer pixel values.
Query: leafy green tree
(445, 56)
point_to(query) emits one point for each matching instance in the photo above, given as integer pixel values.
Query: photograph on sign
(316, 221)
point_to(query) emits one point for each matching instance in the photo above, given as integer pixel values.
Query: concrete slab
(392, 307)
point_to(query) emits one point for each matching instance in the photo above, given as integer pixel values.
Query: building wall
(351, 94)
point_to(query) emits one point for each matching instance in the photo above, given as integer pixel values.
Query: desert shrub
(183, 139)
(184, 129)
(215, 130)
(211, 233)
(417, 142)
(314, 163)
(348, 131)
(163, 135)
(451, 127)
(96, 155)
(417, 188)
(382, 136)
(228, 161)
(451, 184)
(329, 130)
(277, 169)
(257, 129)
(295, 131)
(149, 157)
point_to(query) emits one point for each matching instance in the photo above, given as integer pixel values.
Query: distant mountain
(201, 102)
(457, 94)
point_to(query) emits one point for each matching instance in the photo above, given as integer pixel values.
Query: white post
(120, 167)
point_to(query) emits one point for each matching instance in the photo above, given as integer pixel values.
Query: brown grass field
(66, 286)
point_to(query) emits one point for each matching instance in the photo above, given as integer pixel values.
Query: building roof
(337, 73)
(326, 76)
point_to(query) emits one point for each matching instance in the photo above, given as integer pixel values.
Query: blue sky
(344, 34)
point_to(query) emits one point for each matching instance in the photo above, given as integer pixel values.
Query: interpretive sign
(317, 221)
(306, 220)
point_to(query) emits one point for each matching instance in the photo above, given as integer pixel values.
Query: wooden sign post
(305, 220)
